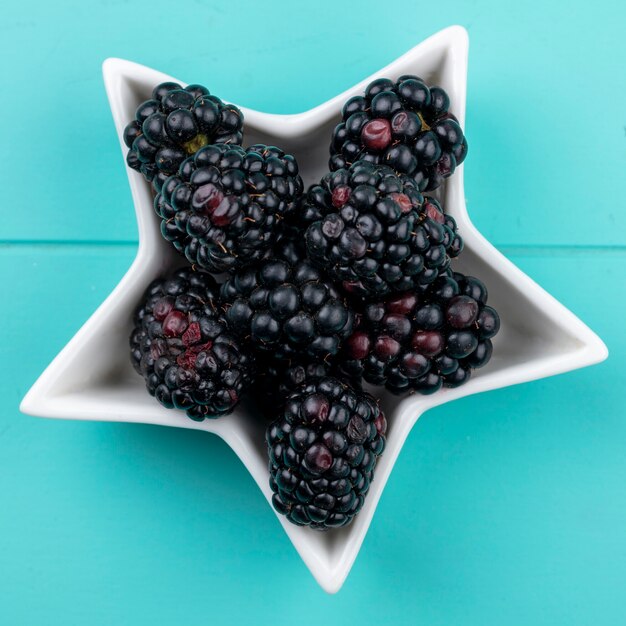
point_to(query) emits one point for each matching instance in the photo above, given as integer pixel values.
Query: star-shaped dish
(92, 377)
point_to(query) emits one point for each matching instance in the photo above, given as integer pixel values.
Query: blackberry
(419, 342)
(223, 207)
(374, 231)
(182, 346)
(175, 123)
(286, 308)
(323, 451)
(404, 124)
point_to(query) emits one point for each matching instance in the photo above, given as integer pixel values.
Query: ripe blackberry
(374, 231)
(286, 308)
(182, 346)
(404, 124)
(323, 451)
(223, 207)
(175, 123)
(419, 342)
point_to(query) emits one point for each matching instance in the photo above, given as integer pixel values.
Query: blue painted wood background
(507, 508)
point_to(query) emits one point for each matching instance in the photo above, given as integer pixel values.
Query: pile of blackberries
(296, 297)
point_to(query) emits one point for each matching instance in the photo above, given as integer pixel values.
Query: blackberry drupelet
(175, 123)
(285, 307)
(323, 451)
(182, 346)
(223, 208)
(372, 230)
(419, 342)
(404, 124)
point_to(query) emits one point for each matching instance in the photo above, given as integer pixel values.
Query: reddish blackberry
(323, 451)
(223, 207)
(183, 348)
(403, 124)
(175, 123)
(286, 308)
(376, 233)
(419, 342)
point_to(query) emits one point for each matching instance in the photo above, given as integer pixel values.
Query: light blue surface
(504, 509)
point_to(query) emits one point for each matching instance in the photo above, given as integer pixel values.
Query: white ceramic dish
(92, 379)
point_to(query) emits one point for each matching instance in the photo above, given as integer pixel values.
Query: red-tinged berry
(406, 125)
(182, 346)
(376, 134)
(323, 448)
(340, 196)
(224, 207)
(381, 237)
(421, 342)
(461, 311)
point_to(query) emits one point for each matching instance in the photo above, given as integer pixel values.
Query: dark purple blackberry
(286, 308)
(373, 231)
(175, 123)
(403, 124)
(323, 451)
(419, 342)
(182, 346)
(223, 208)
